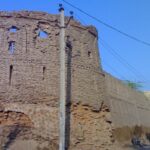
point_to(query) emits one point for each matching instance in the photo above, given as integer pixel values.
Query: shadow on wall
(12, 136)
(68, 92)
(12, 125)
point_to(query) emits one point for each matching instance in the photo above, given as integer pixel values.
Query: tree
(133, 85)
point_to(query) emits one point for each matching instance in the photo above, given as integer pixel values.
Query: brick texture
(30, 74)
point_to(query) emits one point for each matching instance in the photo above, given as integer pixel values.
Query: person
(136, 141)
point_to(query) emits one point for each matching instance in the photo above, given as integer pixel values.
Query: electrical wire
(122, 60)
(115, 71)
(78, 18)
(107, 25)
(110, 49)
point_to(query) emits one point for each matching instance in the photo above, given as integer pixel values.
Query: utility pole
(62, 111)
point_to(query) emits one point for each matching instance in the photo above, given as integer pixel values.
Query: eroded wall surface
(36, 128)
(29, 83)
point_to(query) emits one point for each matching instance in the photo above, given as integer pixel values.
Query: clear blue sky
(130, 16)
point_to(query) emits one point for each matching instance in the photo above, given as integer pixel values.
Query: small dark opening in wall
(10, 73)
(89, 54)
(13, 29)
(44, 69)
(11, 47)
(43, 34)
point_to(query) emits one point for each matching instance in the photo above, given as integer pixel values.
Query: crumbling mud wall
(29, 82)
(28, 126)
(29, 88)
(35, 127)
(129, 108)
(29, 60)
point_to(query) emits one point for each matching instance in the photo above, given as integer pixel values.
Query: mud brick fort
(29, 87)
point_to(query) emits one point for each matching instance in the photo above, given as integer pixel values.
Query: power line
(76, 16)
(122, 60)
(107, 25)
(111, 50)
(115, 71)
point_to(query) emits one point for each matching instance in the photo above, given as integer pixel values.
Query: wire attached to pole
(107, 25)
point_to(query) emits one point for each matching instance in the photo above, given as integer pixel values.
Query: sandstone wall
(30, 63)
(128, 107)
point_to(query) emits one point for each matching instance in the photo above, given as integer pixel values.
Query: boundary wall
(129, 108)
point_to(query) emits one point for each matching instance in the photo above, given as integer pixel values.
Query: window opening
(43, 34)
(11, 47)
(13, 29)
(89, 54)
(10, 73)
(44, 69)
